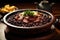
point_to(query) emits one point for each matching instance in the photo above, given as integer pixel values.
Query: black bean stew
(29, 19)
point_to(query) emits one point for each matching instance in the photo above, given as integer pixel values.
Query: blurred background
(31, 1)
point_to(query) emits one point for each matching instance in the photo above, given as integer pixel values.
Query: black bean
(44, 19)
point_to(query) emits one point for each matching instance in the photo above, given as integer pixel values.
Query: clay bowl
(28, 30)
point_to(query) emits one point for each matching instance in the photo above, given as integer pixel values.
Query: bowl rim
(4, 19)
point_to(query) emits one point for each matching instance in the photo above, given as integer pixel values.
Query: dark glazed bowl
(28, 30)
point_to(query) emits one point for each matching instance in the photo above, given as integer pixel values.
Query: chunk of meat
(16, 17)
(32, 18)
(37, 19)
(25, 20)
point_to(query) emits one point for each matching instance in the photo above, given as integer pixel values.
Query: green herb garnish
(28, 13)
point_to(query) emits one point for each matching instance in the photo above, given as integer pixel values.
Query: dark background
(3, 2)
(15, 1)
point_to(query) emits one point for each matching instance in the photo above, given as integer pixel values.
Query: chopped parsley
(28, 13)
